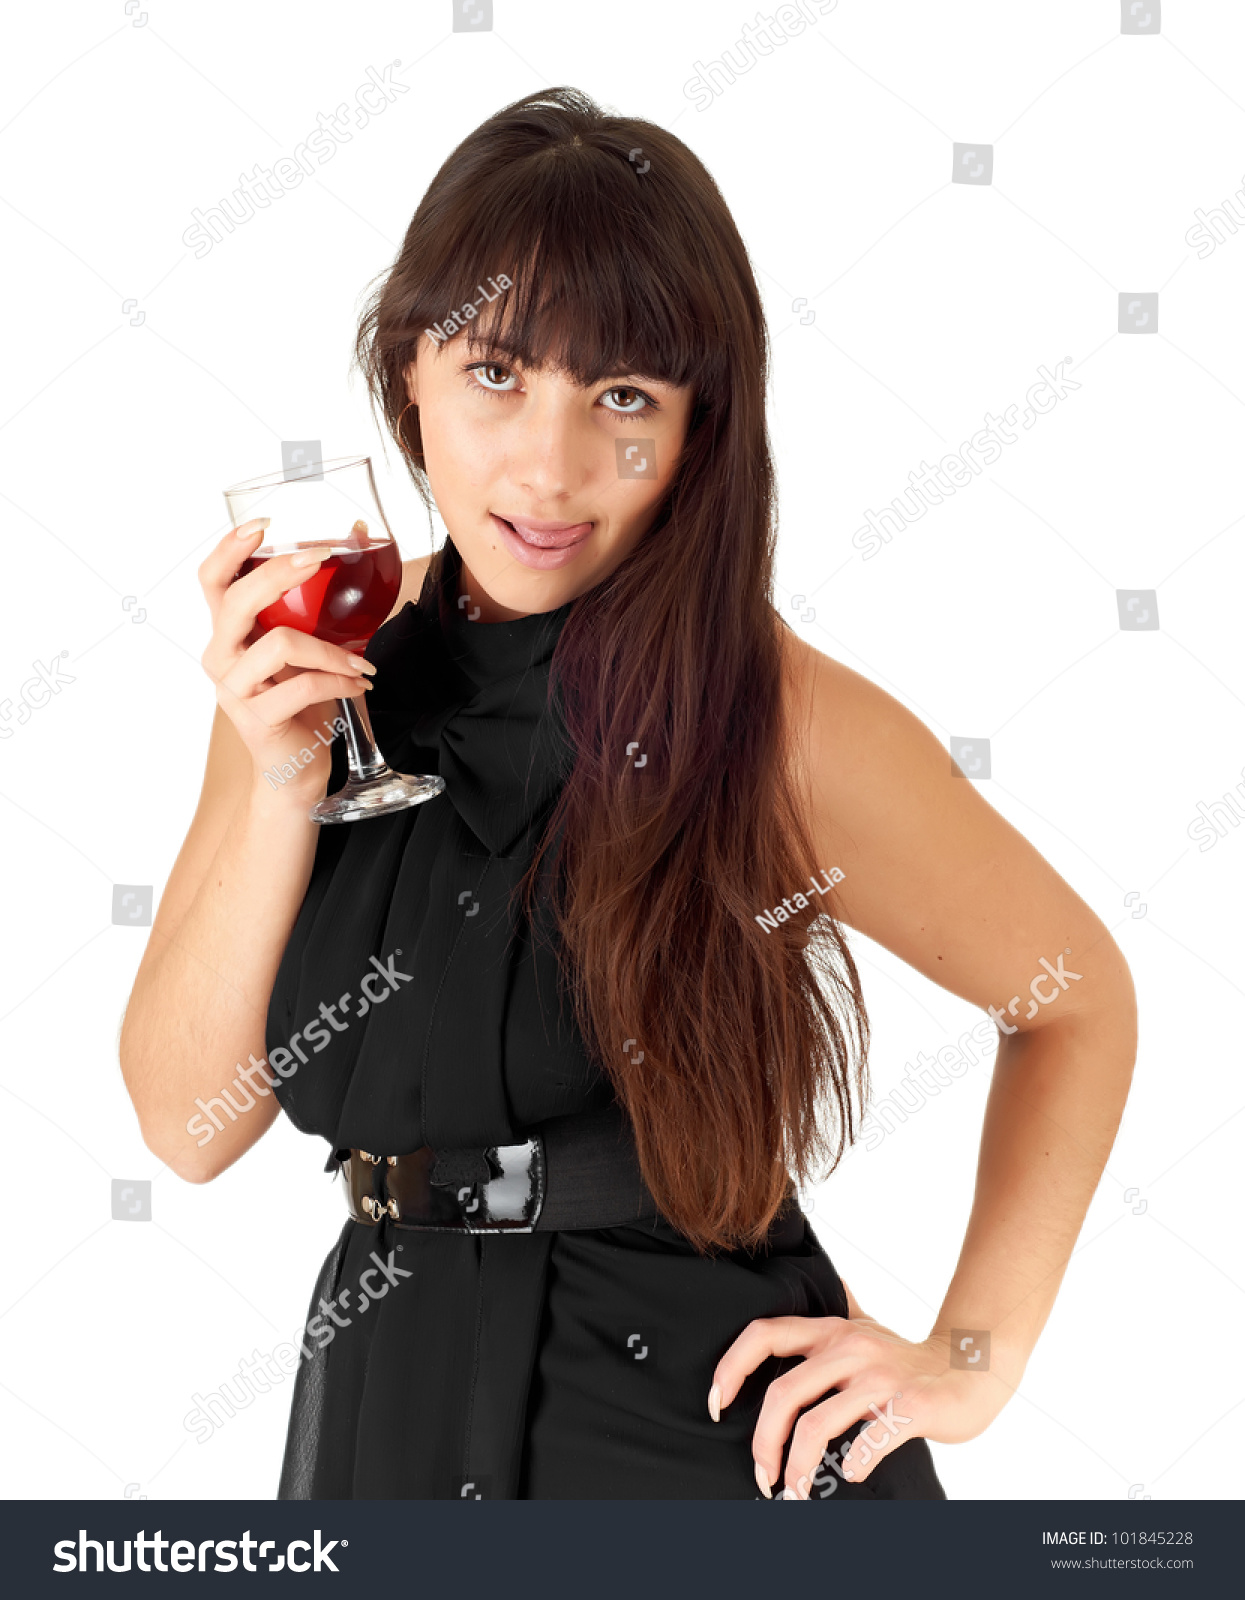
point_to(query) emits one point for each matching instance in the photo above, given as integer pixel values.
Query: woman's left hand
(909, 1390)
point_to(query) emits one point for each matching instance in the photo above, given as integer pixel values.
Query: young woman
(609, 1019)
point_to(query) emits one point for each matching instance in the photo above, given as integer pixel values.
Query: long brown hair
(716, 1031)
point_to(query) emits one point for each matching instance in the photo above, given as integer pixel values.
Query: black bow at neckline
(476, 695)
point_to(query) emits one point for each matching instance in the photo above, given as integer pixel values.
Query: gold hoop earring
(397, 427)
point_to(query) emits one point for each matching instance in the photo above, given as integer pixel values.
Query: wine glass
(333, 505)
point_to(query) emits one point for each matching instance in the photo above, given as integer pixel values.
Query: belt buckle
(496, 1189)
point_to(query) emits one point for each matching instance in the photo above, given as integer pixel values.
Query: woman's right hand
(279, 689)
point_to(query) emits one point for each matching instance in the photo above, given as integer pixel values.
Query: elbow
(1109, 1001)
(191, 1170)
(1127, 1019)
(190, 1162)
(184, 1148)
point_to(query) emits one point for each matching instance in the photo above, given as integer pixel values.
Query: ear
(412, 384)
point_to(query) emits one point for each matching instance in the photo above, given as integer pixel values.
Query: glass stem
(365, 760)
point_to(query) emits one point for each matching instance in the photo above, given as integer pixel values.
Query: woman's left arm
(936, 875)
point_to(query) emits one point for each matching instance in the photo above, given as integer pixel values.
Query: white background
(995, 616)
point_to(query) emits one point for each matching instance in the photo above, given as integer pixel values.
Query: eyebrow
(491, 349)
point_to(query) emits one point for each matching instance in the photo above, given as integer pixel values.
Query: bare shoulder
(848, 737)
(826, 703)
(853, 748)
(413, 572)
(930, 869)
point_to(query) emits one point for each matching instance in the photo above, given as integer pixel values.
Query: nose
(551, 461)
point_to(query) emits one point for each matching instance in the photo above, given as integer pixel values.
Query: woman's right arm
(197, 1013)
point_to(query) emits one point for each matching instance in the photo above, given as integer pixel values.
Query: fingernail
(256, 525)
(715, 1402)
(363, 664)
(305, 558)
(763, 1480)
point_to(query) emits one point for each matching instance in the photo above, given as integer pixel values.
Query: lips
(548, 535)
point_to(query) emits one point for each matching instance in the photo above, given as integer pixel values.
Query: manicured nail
(763, 1480)
(715, 1402)
(304, 558)
(363, 664)
(256, 525)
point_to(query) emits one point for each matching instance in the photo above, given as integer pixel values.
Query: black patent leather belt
(579, 1171)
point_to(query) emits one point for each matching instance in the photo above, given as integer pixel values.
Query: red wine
(347, 597)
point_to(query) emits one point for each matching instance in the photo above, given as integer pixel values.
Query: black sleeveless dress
(412, 1008)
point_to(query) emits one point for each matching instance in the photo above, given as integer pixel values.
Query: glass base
(376, 796)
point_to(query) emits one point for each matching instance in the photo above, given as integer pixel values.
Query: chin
(527, 592)
(525, 579)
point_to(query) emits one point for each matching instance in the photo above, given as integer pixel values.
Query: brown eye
(491, 375)
(633, 402)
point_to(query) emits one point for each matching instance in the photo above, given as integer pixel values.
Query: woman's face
(545, 487)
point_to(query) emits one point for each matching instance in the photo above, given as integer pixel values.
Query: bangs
(603, 268)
